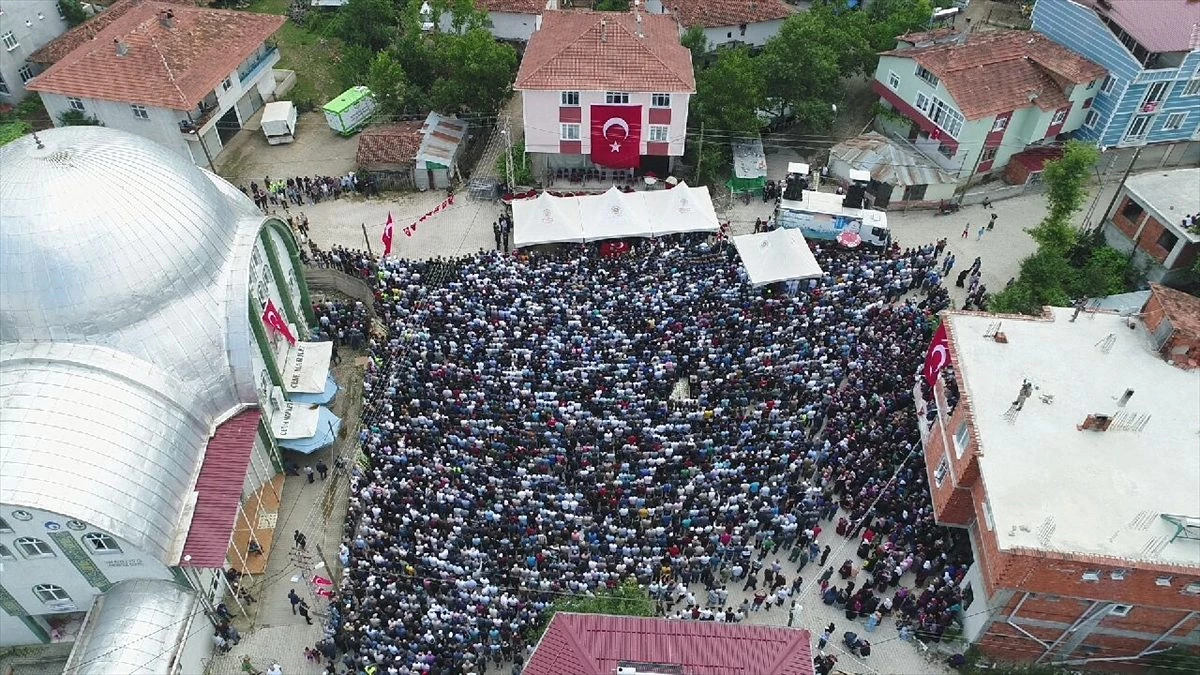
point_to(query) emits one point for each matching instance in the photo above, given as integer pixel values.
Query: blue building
(1151, 49)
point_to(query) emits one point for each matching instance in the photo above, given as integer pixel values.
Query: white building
(513, 20)
(185, 77)
(135, 374)
(579, 60)
(25, 26)
(728, 22)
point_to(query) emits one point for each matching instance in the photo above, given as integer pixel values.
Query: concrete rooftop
(1170, 194)
(1053, 487)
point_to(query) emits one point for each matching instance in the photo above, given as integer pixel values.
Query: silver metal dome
(137, 628)
(124, 323)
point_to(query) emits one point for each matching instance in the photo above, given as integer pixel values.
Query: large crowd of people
(547, 425)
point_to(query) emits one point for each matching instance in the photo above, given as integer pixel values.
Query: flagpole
(368, 240)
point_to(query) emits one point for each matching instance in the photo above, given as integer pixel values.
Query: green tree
(729, 94)
(892, 18)
(354, 64)
(1044, 280)
(804, 68)
(1105, 272)
(387, 81)
(77, 118)
(628, 599)
(611, 5)
(464, 15)
(370, 23)
(1173, 662)
(475, 72)
(1066, 180)
(694, 39)
(73, 12)
(11, 131)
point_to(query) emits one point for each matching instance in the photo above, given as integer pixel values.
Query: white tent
(781, 255)
(546, 219)
(681, 209)
(614, 215)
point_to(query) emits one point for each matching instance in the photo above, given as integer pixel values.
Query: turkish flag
(938, 356)
(387, 236)
(617, 136)
(614, 249)
(276, 323)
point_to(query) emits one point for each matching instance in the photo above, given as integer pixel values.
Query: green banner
(9, 604)
(81, 560)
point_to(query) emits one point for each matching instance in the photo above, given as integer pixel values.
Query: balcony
(1159, 75)
(267, 55)
(200, 115)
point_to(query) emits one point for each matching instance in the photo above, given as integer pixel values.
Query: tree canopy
(628, 599)
(73, 12)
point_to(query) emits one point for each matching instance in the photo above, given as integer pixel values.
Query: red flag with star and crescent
(276, 323)
(617, 136)
(387, 236)
(937, 357)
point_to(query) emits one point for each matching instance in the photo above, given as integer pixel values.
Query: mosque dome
(111, 240)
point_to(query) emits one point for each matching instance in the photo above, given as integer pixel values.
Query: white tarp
(294, 420)
(546, 219)
(307, 367)
(781, 255)
(613, 215)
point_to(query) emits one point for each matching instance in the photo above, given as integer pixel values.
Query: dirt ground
(317, 150)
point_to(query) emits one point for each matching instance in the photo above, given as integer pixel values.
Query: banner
(410, 230)
(614, 249)
(617, 136)
(276, 323)
(938, 356)
(387, 236)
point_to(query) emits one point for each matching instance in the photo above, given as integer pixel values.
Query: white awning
(613, 215)
(291, 420)
(781, 255)
(545, 220)
(307, 367)
(681, 209)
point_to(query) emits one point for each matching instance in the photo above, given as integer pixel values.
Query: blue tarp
(323, 398)
(328, 426)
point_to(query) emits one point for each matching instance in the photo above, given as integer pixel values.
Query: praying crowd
(305, 190)
(547, 425)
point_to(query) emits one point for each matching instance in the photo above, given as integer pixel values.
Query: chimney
(122, 48)
(603, 30)
(1095, 423)
(166, 18)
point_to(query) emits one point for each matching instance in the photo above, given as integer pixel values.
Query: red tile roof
(163, 67)
(601, 51)
(592, 644)
(56, 49)
(220, 490)
(1157, 25)
(388, 144)
(999, 71)
(512, 6)
(714, 13)
(1182, 309)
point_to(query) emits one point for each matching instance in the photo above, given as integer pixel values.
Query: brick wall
(1183, 348)
(1151, 230)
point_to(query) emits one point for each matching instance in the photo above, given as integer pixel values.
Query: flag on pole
(276, 323)
(937, 357)
(387, 236)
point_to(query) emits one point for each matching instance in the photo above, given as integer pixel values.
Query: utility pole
(368, 240)
(506, 132)
(1128, 170)
(700, 151)
(203, 145)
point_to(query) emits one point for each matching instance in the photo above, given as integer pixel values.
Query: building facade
(1043, 441)
(25, 26)
(728, 22)
(1148, 222)
(622, 64)
(969, 103)
(164, 77)
(165, 332)
(1152, 92)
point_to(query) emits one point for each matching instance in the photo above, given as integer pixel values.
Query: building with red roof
(597, 644)
(728, 22)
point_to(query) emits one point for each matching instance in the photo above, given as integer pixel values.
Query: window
(569, 98)
(962, 437)
(939, 474)
(1139, 126)
(1000, 124)
(34, 548)
(1164, 581)
(949, 119)
(4, 526)
(76, 103)
(1154, 95)
(926, 75)
(922, 102)
(569, 132)
(4, 87)
(49, 593)
(1174, 121)
(616, 97)
(1091, 119)
(1120, 610)
(989, 155)
(26, 73)
(1192, 88)
(1132, 211)
(1109, 83)
(10, 41)
(657, 133)
(988, 519)
(6, 554)
(1192, 588)
(99, 542)
(660, 100)
(226, 84)
(1087, 103)
(893, 79)
(140, 112)
(1117, 575)
(945, 150)
(1167, 240)
(1091, 575)
(1059, 117)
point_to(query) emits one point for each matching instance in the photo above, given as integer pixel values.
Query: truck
(351, 110)
(821, 215)
(279, 122)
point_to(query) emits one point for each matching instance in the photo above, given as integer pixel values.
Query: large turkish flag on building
(617, 136)
(937, 357)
